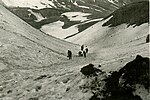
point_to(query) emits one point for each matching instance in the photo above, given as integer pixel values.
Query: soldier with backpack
(82, 47)
(69, 54)
(80, 54)
(84, 54)
(86, 49)
(147, 38)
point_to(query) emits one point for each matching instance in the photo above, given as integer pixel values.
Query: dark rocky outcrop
(134, 72)
(132, 14)
(121, 84)
(89, 70)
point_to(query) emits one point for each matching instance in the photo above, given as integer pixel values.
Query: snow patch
(55, 29)
(37, 15)
(76, 16)
(98, 10)
(75, 3)
(84, 7)
(99, 19)
(87, 36)
(48, 2)
(111, 1)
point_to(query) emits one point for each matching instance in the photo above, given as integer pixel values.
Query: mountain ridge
(42, 17)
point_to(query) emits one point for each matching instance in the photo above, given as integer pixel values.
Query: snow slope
(55, 29)
(23, 46)
(96, 34)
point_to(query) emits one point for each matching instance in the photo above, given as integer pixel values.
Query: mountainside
(130, 19)
(23, 46)
(43, 14)
(133, 14)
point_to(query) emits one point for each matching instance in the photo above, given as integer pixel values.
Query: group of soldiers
(82, 53)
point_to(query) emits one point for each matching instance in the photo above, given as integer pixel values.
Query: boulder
(89, 70)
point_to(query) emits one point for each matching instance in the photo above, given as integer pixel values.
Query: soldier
(82, 47)
(80, 54)
(86, 49)
(84, 54)
(69, 54)
(147, 38)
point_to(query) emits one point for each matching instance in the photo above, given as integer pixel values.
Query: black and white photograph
(74, 50)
